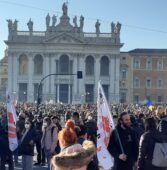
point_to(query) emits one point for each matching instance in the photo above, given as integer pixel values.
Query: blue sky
(138, 17)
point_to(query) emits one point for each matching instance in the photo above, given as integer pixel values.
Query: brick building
(149, 75)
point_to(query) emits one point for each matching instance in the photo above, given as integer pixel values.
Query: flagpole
(119, 140)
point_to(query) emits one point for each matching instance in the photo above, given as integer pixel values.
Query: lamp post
(79, 76)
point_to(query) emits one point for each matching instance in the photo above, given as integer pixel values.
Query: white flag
(12, 136)
(105, 125)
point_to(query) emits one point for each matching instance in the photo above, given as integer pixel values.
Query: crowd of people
(64, 137)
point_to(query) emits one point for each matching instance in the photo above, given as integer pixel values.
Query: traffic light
(79, 74)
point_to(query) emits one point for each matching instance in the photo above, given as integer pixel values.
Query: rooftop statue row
(63, 26)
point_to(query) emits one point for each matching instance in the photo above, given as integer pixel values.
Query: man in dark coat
(125, 154)
(5, 153)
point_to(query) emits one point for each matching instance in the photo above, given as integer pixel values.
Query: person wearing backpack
(162, 126)
(147, 145)
(49, 139)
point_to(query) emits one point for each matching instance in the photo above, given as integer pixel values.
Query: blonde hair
(160, 111)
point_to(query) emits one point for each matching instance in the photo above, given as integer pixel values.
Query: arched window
(159, 64)
(38, 65)
(23, 65)
(136, 63)
(148, 63)
(64, 64)
(104, 66)
(136, 83)
(89, 66)
(148, 83)
(159, 83)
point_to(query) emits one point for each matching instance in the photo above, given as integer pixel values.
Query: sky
(144, 22)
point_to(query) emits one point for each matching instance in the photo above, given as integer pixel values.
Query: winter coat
(75, 157)
(146, 149)
(27, 148)
(49, 138)
(162, 127)
(4, 143)
(130, 146)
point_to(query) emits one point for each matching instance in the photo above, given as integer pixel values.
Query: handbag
(160, 155)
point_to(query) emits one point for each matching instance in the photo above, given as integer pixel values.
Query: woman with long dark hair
(26, 148)
(147, 144)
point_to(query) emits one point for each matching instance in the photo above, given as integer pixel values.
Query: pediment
(63, 39)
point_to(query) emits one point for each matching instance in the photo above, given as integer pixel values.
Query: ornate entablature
(64, 32)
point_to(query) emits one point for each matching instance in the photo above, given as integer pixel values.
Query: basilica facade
(63, 48)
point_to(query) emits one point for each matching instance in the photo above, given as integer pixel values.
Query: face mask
(45, 124)
(27, 126)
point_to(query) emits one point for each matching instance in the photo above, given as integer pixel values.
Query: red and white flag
(105, 125)
(11, 114)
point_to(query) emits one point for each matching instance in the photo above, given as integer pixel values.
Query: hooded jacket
(74, 157)
(146, 149)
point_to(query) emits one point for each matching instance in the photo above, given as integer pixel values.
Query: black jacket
(129, 143)
(25, 147)
(162, 127)
(146, 149)
(38, 128)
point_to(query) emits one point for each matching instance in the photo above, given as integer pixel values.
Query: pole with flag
(105, 125)
(11, 114)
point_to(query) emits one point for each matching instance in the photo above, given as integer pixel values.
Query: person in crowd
(76, 119)
(26, 148)
(70, 124)
(123, 144)
(146, 147)
(38, 127)
(162, 126)
(72, 156)
(91, 126)
(56, 121)
(136, 127)
(49, 139)
(141, 118)
(81, 132)
(5, 153)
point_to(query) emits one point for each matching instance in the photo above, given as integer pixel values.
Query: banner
(105, 125)
(11, 114)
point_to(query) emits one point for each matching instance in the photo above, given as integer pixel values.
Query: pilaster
(30, 75)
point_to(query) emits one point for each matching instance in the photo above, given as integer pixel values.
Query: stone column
(81, 82)
(58, 88)
(10, 71)
(69, 93)
(46, 81)
(15, 74)
(53, 70)
(112, 79)
(97, 76)
(75, 81)
(30, 77)
(117, 71)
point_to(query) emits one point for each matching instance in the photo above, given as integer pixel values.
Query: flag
(149, 105)
(12, 136)
(105, 125)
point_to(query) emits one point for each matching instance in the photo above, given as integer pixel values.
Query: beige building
(3, 76)
(126, 78)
